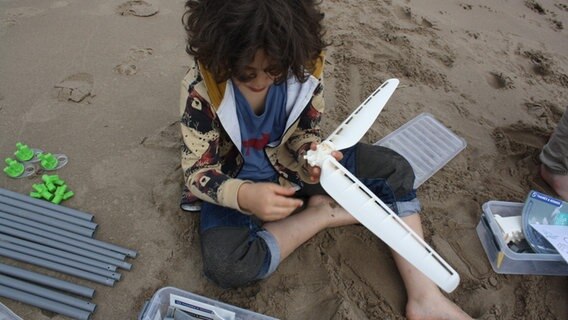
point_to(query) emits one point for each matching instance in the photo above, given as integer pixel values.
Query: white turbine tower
(366, 207)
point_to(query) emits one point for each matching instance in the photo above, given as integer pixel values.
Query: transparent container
(502, 258)
(426, 143)
(540, 208)
(7, 314)
(157, 307)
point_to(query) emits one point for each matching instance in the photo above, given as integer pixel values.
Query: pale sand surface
(495, 72)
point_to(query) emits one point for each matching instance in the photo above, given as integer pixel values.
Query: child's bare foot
(435, 307)
(559, 183)
(334, 214)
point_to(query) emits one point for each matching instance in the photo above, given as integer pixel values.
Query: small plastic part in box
(426, 143)
(157, 307)
(502, 258)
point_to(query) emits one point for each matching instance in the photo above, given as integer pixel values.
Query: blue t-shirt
(259, 130)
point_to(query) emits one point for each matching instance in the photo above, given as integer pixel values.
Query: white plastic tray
(426, 143)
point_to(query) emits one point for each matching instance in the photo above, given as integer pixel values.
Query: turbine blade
(376, 216)
(358, 123)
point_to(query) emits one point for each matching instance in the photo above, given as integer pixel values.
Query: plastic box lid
(157, 307)
(512, 262)
(426, 143)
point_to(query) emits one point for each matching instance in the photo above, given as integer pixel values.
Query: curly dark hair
(224, 35)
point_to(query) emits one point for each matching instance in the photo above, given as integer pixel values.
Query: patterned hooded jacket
(211, 156)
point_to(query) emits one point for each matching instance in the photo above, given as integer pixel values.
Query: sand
(95, 81)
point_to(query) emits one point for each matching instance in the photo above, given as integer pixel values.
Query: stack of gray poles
(58, 238)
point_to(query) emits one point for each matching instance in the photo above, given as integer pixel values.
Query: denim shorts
(395, 190)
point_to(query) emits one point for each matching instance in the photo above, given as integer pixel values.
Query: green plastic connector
(24, 153)
(48, 161)
(14, 168)
(42, 191)
(59, 193)
(35, 195)
(68, 195)
(52, 181)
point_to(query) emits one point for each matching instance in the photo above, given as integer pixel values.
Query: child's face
(256, 78)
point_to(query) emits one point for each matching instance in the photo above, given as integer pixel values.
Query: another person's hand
(315, 171)
(268, 201)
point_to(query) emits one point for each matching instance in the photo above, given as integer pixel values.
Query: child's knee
(379, 162)
(231, 258)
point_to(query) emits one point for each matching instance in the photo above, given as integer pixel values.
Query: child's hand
(268, 201)
(315, 171)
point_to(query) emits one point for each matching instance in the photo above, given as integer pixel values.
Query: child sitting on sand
(251, 107)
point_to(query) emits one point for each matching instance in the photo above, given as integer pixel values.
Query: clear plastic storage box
(426, 143)
(7, 314)
(502, 258)
(157, 307)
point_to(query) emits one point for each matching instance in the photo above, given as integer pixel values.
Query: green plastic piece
(14, 168)
(35, 195)
(48, 161)
(68, 195)
(52, 181)
(24, 153)
(59, 193)
(43, 191)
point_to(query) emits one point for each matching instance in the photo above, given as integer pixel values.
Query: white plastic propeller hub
(323, 150)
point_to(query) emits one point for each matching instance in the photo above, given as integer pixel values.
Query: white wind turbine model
(366, 207)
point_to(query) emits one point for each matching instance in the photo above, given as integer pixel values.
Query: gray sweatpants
(554, 154)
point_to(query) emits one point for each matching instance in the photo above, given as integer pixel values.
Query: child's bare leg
(425, 301)
(559, 183)
(322, 212)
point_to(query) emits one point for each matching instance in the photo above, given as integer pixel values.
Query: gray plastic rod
(61, 239)
(46, 212)
(57, 267)
(43, 303)
(59, 260)
(47, 280)
(47, 293)
(89, 240)
(47, 205)
(46, 220)
(57, 252)
(58, 245)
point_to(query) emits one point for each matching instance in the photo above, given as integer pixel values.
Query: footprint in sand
(405, 13)
(546, 113)
(12, 16)
(126, 68)
(520, 139)
(137, 8)
(167, 137)
(498, 80)
(75, 87)
(135, 54)
(543, 65)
